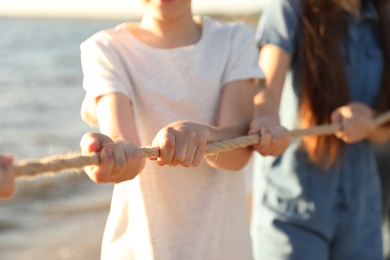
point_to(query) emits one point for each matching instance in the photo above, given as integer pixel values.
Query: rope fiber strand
(53, 164)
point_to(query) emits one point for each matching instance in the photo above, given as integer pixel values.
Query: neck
(169, 33)
(167, 27)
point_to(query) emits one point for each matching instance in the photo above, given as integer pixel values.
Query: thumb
(94, 142)
(254, 129)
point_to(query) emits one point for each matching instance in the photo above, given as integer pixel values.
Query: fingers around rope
(167, 145)
(194, 152)
(127, 162)
(198, 156)
(100, 173)
(119, 161)
(265, 141)
(273, 141)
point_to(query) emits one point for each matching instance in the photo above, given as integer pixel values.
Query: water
(59, 217)
(40, 85)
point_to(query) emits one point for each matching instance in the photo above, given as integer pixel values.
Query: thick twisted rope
(76, 161)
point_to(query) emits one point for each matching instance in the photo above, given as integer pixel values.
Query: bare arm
(236, 112)
(116, 118)
(118, 143)
(275, 63)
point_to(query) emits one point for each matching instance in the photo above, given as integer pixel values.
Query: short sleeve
(103, 73)
(279, 25)
(243, 56)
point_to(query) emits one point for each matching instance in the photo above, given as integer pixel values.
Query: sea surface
(50, 217)
(41, 85)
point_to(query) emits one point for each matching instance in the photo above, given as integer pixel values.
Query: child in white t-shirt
(176, 82)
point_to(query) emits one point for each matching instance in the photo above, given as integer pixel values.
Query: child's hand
(7, 179)
(118, 161)
(274, 138)
(181, 143)
(356, 120)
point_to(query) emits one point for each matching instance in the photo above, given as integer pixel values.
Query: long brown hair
(324, 81)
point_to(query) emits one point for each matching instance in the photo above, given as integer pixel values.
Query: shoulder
(285, 7)
(105, 38)
(280, 24)
(293, 4)
(232, 31)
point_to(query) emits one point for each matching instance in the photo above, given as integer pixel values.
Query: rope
(53, 164)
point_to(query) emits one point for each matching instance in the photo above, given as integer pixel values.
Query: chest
(363, 57)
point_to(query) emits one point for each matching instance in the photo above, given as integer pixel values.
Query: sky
(116, 8)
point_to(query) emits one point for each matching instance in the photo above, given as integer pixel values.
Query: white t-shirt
(173, 212)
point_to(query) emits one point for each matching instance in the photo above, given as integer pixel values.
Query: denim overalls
(300, 211)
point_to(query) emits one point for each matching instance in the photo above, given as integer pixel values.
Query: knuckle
(200, 140)
(160, 163)
(168, 144)
(178, 159)
(185, 130)
(120, 162)
(186, 164)
(170, 132)
(196, 164)
(172, 164)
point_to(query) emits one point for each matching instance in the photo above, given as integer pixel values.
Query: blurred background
(60, 216)
(117, 8)
(63, 216)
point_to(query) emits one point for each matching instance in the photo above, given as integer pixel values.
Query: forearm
(274, 138)
(266, 104)
(236, 113)
(116, 120)
(275, 63)
(229, 160)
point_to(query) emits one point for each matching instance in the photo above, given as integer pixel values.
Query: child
(7, 181)
(177, 82)
(321, 198)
